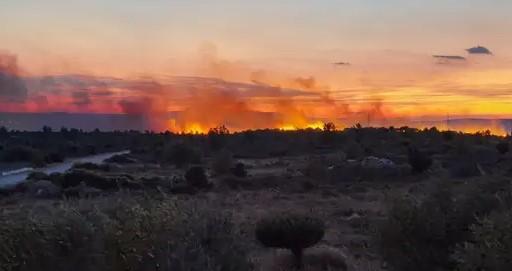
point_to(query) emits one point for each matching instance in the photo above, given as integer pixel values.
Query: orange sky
(152, 58)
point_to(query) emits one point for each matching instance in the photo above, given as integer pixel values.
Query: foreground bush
(290, 231)
(120, 234)
(424, 235)
(490, 247)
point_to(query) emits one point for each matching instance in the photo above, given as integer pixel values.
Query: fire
(311, 125)
(195, 128)
(188, 128)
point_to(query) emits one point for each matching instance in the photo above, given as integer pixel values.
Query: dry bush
(222, 162)
(291, 231)
(120, 234)
(423, 235)
(316, 259)
(196, 177)
(490, 247)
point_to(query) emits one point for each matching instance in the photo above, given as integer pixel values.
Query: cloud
(12, 87)
(81, 98)
(306, 83)
(479, 50)
(450, 57)
(341, 63)
(137, 105)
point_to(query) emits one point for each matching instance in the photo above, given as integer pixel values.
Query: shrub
(222, 162)
(316, 169)
(464, 168)
(419, 161)
(37, 175)
(503, 147)
(239, 170)
(217, 137)
(417, 236)
(196, 177)
(18, 154)
(354, 150)
(181, 155)
(423, 235)
(321, 258)
(290, 231)
(120, 234)
(54, 157)
(77, 176)
(37, 159)
(490, 247)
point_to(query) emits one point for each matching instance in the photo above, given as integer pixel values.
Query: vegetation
(121, 233)
(291, 231)
(425, 235)
(188, 202)
(196, 177)
(503, 147)
(418, 160)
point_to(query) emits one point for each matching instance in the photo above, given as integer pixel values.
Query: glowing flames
(312, 125)
(188, 128)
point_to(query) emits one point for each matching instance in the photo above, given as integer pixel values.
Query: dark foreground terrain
(359, 199)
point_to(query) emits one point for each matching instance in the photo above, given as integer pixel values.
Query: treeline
(48, 146)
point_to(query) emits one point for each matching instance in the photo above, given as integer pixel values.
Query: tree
(47, 129)
(217, 137)
(291, 231)
(329, 127)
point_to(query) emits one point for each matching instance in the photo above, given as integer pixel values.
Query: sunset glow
(190, 66)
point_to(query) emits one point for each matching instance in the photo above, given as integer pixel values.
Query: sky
(109, 55)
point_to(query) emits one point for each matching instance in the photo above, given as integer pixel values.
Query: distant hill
(110, 122)
(86, 122)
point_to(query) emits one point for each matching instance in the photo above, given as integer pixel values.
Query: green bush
(290, 231)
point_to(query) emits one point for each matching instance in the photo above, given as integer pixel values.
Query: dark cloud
(12, 87)
(449, 57)
(103, 93)
(81, 98)
(136, 106)
(479, 50)
(341, 63)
